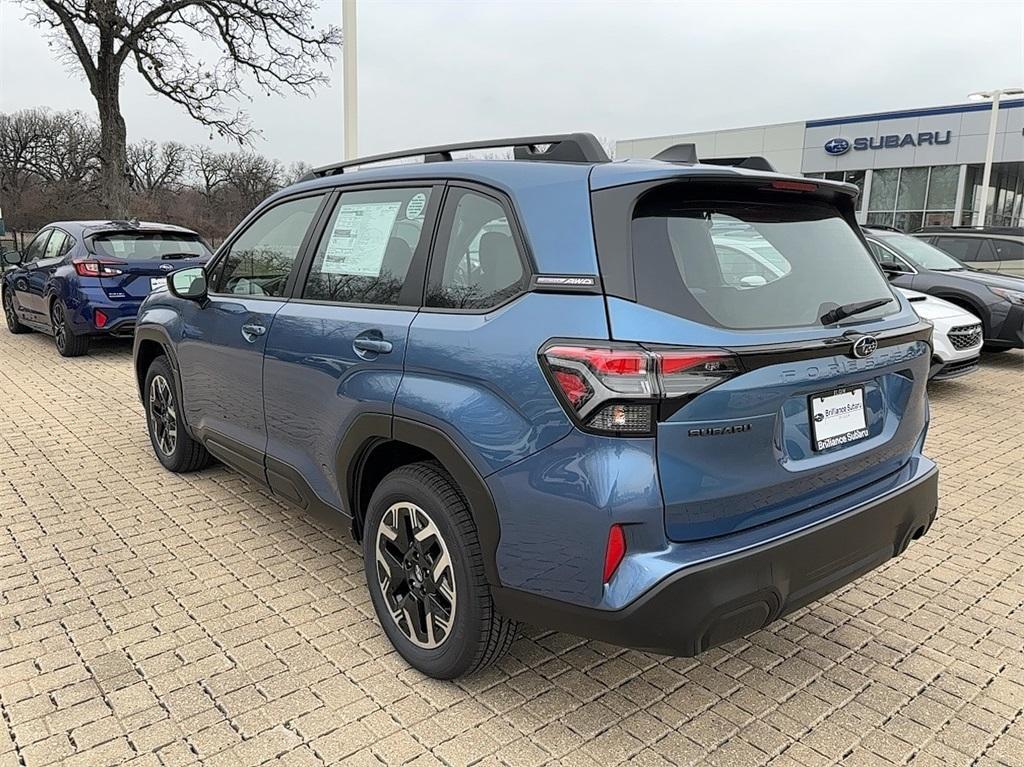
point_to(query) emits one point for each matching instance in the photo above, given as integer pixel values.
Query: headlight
(1013, 296)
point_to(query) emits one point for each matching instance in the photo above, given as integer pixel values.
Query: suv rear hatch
(790, 410)
(132, 263)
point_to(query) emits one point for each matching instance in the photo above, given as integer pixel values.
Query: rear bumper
(711, 603)
(121, 314)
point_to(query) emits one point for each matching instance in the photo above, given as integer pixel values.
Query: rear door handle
(251, 331)
(373, 345)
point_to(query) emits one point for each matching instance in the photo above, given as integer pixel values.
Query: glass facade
(909, 198)
(1005, 205)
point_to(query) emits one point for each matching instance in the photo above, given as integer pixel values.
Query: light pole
(979, 213)
(349, 79)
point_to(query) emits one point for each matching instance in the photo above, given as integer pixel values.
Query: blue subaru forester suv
(660, 403)
(80, 279)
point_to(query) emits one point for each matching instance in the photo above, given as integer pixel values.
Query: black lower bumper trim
(717, 601)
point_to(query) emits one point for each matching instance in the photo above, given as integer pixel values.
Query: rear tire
(64, 338)
(13, 324)
(425, 573)
(173, 445)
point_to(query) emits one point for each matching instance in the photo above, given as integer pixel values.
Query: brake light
(617, 390)
(96, 269)
(794, 186)
(100, 318)
(614, 552)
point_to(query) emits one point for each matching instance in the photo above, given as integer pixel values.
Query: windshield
(149, 246)
(757, 264)
(918, 252)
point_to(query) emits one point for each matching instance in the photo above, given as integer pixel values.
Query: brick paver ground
(149, 619)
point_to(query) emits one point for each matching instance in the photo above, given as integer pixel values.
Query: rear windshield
(749, 265)
(146, 246)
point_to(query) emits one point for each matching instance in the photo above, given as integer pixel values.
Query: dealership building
(914, 168)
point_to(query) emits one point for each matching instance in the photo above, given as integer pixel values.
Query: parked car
(957, 339)
(535, 394)
(997, 299)
(80, 279)
(993, 248)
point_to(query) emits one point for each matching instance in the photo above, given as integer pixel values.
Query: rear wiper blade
(848, 310)
(175, 256)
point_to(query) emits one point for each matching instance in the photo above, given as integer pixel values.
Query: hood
(932, 308)
(991, 278)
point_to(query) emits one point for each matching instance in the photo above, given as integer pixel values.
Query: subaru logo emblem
(166, 267)
(864, 347)
(837, 146)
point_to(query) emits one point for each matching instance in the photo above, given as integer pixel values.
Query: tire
(68, 343)
(13, 324)
(421, 498)
(173, 445)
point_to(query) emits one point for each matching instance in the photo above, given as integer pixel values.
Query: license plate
(157, 283)
(837, 417)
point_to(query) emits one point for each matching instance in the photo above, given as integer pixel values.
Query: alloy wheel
(9, 313)
(59, 331)
(163, 415)
(414, 569)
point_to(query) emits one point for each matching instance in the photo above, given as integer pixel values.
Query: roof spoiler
(687, 154)
(562, 147)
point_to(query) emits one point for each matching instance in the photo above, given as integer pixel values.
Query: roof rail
(687, 154)
(883, 227)
(563, 147)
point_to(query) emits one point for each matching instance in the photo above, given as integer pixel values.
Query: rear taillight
(96, 269)
(621, 389)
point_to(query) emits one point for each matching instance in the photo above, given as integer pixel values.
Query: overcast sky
(432, 72)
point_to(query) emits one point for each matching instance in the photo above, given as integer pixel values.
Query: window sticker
(415, 206)
(359, 238)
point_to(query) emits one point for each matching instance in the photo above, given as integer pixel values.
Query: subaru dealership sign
(839, 145)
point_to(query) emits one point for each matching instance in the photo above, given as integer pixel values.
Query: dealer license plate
(837, 417)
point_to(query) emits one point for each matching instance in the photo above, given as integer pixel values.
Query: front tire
(68, 343)
(425, 573)
(173, 445)
(13, 324)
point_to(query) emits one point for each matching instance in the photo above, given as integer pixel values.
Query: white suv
(957, 337)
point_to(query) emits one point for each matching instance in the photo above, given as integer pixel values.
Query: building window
(1005, 205)
(909, 198)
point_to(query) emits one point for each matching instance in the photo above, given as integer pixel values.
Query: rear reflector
(100, 318)
(614, 552)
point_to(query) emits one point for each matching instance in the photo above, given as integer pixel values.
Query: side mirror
(892, 267)
(189, 284)
(11, 258)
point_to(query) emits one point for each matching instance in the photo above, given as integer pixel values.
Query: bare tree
(153, 166)
(273, 42)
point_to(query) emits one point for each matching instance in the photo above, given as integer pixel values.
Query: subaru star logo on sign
(864, 346)
(837, 146)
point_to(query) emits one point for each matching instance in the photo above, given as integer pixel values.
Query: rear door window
(55, 245)
(1008, 250)
(750, 265)
(368, 246)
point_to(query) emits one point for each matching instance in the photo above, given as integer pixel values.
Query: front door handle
(251, 332)
(373, 345)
